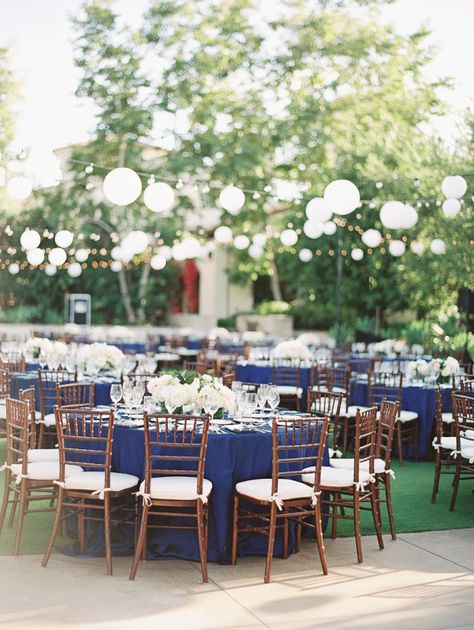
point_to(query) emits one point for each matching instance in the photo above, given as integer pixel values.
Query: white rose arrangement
(390, 346)
(37, 345)
(183, 388)
(292, 350)
(442, 368)
(309, 339)
(95, 358)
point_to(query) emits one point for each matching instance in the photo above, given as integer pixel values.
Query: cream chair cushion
(95, 480)
(348, 464)
(352, 410)
(43, 455)
(449, 443)
(176, 488)
(407, 416)
(447, 417)
(49, 420)
(468, 453)
(261, 489)
(45, 470)
(290, 390)
(335, 477)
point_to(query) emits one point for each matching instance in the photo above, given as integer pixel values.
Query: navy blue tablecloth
(24, 380)
(252, 373)
(414, 398)
(230, 458)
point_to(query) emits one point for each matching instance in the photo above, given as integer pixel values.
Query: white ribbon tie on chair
(389, 471)
(101, 493)
(5, 466)
(19, 478)
(278, 500)
(146, 498)
(314, 498)
(435, 444)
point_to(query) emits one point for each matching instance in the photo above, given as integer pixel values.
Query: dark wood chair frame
(463, 414)
(326, 403)
(295, 441)
(288, 377)
(48, 380)
(189, 436)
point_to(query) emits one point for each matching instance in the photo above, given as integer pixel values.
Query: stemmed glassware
(273, 398)
(210, 407)
(115, 394)
(262, 397)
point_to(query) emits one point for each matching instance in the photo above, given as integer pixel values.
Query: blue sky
(49, 115)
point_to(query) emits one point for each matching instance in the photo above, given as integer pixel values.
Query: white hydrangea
(292, 349)
(99, 356)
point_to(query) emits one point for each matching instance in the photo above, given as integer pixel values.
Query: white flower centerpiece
(184, 390)
(390, 347)
(99, 359)
(35, 347)
(292, 350)
(449, 367)
(444, 369)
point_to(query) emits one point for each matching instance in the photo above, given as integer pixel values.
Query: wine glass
(262, 395)
(42, 359)
(170, 405)
(148, 404)
(127, 393)
(273, 398)
(210, 407)
(115, 394)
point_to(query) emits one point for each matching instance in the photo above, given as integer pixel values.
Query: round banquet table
(420, 399)
(231, 457)
(24, 380)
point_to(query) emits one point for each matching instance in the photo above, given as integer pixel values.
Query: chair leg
(388, 499)
(437, 476)
(415, 436)
(41, 436)
(456, 480)
(299, 527)
(285, 538)
(335, 505)
(376, 516)
(6, 498)
(399, 441)
(319, 538)
(346, 436)
(81, 528)
(235, 529)
(271, 542)
(358, 540)
(56, 527)
(202, 540)
(108, 550)
(21, 516)
(140, 542)
(11, 517)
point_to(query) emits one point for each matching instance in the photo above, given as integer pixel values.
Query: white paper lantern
(305, 255)
(19, 187)
(135, 242)
(318, 210)
(64, 238)
(396, 248)
(289, 237)
(30, 239)
(57, 256)
(223, 234)
(13, 268)
(117, 253)
(210, 217)
(438, 246)
(342, 196)
(357, 254)
(392, 214)
(74, 270)
(329, 228)
(371, 238)
(122, 186)
(81, 254)
(259, 239)
(35, 256)
(451, 207)
(232, 199)
(409, 217)
(454, 186)
(255, 251)
(417, 247)
(157, 262)
(116, 266)
(191, 246)
(165, 251)
(179, 252)
(313, 229)
(158, 197)
(241, 241)
(50, 270)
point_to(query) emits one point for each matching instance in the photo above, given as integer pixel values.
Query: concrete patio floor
(423, 580)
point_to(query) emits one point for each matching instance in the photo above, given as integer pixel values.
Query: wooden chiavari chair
(467, 385)
(28, 481)
(287, 381)
(85, 437)
(297, 446)
(4, 393)
(382, 461)
(196, 366)
(324, 403)
(36, 454)
(444, 446)
(354, 488)
(463, 413)
(318, 377)
(48, 381)
(174, 485)
(389, 386)
(75, 395)
(13, 363)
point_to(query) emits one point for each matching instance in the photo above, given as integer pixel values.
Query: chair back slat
(385, 386)
(286, 376)
(463, 414)
(48, 381)
(298, 443)
(75, 394)
(18, 438)
(29, 396)
(85, 436)
(4, 383)
(365, 440)
(389, 411)
(175, 445)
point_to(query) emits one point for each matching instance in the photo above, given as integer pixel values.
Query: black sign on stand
(78, 309)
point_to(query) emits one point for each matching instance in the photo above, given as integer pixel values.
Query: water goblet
(273, 398)
(115, 394)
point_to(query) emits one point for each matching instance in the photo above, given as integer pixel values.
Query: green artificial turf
(411, 491)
